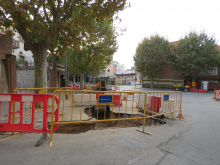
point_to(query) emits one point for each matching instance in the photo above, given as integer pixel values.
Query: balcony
(30, 65)
(15, 44)
(20, 66)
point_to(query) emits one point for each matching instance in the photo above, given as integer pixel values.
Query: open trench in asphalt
(81, 128)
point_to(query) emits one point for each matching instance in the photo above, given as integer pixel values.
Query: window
(108, 70)
(21, 39)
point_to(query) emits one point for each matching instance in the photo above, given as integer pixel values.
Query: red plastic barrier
(76, 87)
(116, 100)
(215, 91)
(32, 98)
(202, 90)
(155, 103)
(193, 90)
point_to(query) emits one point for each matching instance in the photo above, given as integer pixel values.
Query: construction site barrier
(73, 87)
(198, 90)
(164, 103)
(48, 90)
(102, 106)
(10, 125)
(38, 107)
(217, 93)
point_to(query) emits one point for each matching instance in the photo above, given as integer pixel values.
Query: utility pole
(125, 77)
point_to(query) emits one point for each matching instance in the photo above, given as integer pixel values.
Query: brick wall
(53, 76)
(5, 46)
(10, 66)
(170, 74)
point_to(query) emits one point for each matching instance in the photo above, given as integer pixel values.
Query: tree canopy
(151, 56)
(93, 56)
(195, 53)
(53, 24)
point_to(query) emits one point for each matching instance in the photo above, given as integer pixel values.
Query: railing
(105, 106)
(92, 106)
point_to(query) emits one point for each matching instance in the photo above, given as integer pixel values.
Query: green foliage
(54, 25)
(195, 53)
(20, 61)
(95, 52)
(58, 59)
(151, 56)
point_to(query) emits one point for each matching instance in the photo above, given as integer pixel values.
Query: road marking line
(10, 137)
(127, 141)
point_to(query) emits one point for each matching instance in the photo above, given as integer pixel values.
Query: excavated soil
(81, 128)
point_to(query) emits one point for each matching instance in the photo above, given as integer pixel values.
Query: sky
(172, 19)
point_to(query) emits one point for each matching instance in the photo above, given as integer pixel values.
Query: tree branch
(45, 13)
(35, 10)
(69, 4)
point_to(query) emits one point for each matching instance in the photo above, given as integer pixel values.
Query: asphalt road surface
(194, 140)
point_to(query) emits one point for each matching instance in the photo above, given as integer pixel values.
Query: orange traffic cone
(180, 115)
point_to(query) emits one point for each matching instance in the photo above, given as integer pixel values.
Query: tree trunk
(81, 81)
(151, 83)
(74, 79)
(54, 73)
(40, 63)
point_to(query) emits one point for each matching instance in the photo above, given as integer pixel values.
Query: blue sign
(165, 97)
(105, 99)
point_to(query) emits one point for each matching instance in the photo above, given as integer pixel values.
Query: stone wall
(25, 78)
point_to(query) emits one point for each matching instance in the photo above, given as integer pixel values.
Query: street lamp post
(125, 77)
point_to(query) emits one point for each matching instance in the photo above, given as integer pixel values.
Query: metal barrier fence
(101, 106)
(164, 103)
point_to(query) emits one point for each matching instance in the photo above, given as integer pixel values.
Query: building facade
(170, 77)
(7, 65)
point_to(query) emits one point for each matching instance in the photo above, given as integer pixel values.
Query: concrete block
(141, 102)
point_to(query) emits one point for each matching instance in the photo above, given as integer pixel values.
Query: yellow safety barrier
(164, 103)
(102, 106)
